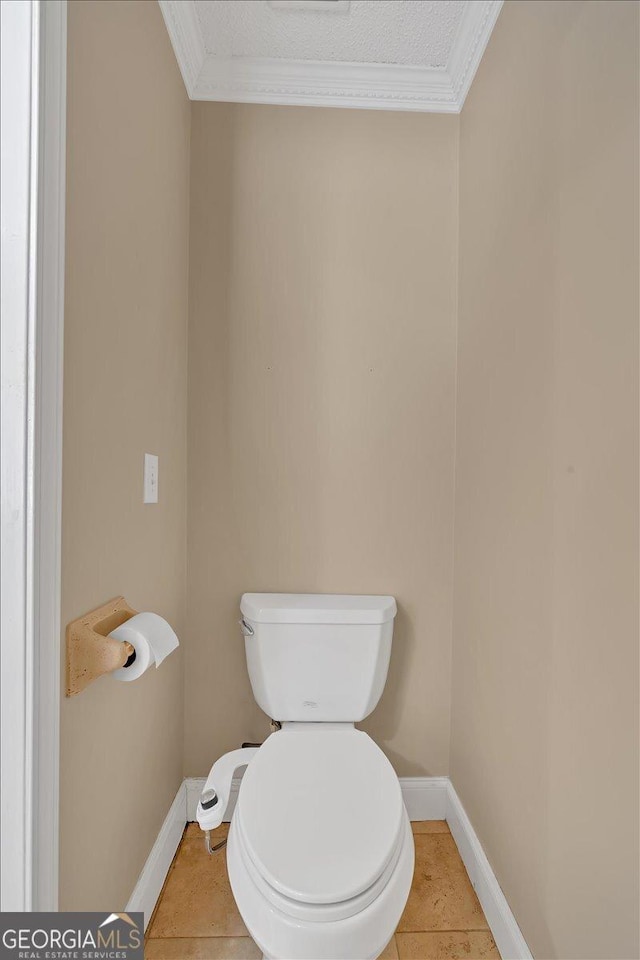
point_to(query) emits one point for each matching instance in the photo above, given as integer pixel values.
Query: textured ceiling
(416, 32)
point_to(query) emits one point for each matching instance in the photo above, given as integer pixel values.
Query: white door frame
(33, 73)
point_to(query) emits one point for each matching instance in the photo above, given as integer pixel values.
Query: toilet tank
(317, 657)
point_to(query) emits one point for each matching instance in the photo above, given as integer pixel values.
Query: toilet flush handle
(246, 628)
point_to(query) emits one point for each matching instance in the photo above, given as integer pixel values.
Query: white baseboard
(155, 870)
(426, 798)
(194, 787)
(503, 924)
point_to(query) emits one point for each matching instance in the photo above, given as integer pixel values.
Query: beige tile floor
(196, 917)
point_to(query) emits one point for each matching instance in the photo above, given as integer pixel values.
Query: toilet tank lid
(316, 608)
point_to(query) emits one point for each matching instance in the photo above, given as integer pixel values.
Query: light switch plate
(150, 487)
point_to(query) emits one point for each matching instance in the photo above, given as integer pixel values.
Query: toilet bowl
(320, 851)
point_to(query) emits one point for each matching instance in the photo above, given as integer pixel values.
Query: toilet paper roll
(151, 637)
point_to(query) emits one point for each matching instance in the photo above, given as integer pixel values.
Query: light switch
(150, 488)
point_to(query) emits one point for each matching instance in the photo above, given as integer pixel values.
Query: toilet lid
(321, 813)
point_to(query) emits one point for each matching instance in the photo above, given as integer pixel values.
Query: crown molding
(477, 25)
(318, 83)
(325, 84)
(183, 25)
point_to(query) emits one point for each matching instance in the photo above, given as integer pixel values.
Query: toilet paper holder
(91, 652)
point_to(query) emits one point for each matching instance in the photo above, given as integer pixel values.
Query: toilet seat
(320, 821)
(315, 912)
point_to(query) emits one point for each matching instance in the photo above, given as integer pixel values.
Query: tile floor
(196, 917)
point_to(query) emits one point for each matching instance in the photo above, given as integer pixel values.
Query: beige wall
(545, 672)
(321, 398)
(322, 354)
(124, 394)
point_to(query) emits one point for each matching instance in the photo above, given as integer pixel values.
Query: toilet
(320, 850)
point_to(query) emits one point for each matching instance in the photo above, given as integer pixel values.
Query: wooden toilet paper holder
(91, 653)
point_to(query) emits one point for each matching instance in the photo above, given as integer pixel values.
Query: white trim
(373, 86)
(194, 787)
(425, 797)
(149, 886)
(474, 32)
(183, 25)
(47, 505)
(503, 924)
(317, 83)
(19, 32)
(33, 163)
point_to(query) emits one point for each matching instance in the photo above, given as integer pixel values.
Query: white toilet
(320, 850)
